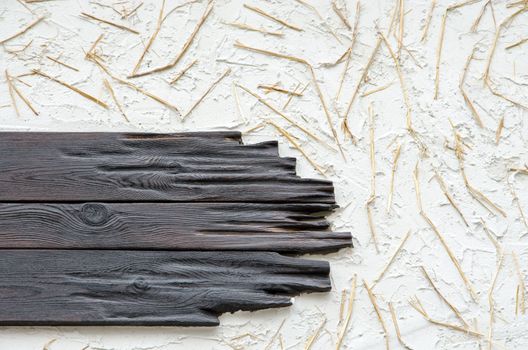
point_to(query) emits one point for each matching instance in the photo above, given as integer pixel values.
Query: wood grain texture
(108, 167)
(155, 229)
(68, 287)
(293, 228)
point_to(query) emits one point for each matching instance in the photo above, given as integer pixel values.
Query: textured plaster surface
(65, 34)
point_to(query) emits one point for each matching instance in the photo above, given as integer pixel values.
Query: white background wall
(64, 33)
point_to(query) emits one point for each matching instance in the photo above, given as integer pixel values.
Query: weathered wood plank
(294, 228)
(154, 229)
(68, 287)
(107, 167)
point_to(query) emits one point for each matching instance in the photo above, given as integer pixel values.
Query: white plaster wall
(64, 33)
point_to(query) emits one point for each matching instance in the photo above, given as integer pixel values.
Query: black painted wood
(70, 167)
(154, 229)
(293, 228)
(68, 287)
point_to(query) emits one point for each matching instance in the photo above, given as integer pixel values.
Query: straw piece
(25, 6)
(23, 98)
(314, 79)
(349, 52)
(112, 93)
(372, 298)
(521, 287)
(393, 17)
(273, 18)
(498, 133)
(25, 29)
(342, 306)
(340, 60)
(134, 10)
(117, 25)
(479, 196)
(274, 336)
(520, 170)
(314, 336)
(516, 3)
(22, 81)
(350, 308)
(90, 52)
(401, 27)
(449, 197)
(267, 104)
(492, 238)
(256, 127)
(372, 197)
(493, 14)
(498, 94)
(517, 291)
(417, 305)
(47, 345)
(428, 20)
(340, 14)
(492, 303)
(441, 41)
(189, 2)
(161, 20)
(504, 24)
(326, 25)
(472, 108)
(475, 25)
(474, 112)
(135, 87)
(362, 78)
(391, 260)
(213, 85)
(11, 93)
(151, 39)
(410, 130)
(253, 29)
(439, 54)
(397, 328)
(297, 146)
(73, 88)
(15, 52)
(237, 103)
(443, 298)
(372, 226)
(62, 63)
(291, 96)
(378, 89)
(278, 89)
(393, 175)
(439, 235)
(184, 49)
(520, 42)
(182, 72)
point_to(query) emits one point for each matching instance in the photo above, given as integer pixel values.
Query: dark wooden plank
(107, 167)
(293, 228)
(68, 287)
(95, 137)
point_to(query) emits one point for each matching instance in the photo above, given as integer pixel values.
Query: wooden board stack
(154, 229)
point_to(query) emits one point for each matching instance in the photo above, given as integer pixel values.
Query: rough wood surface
(69, 287)
(73, 167)
(295, 228)
(154, 229)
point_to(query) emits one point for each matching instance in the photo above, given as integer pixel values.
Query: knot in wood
(94, 214)
(141, 284)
